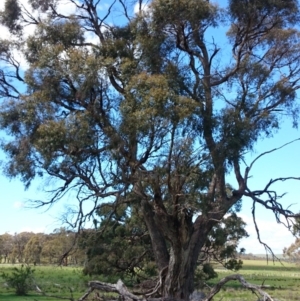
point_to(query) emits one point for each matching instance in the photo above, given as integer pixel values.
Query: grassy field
(57, 281)
(283, 282)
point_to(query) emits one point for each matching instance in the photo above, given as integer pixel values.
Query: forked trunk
(179, 280)
(176, 243)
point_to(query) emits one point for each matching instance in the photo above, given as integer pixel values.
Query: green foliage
(221, 247)
(33, 249)
(43, 5)
(233, 264)
(203, 273)
(223, 241)
(21, 279)
(120, 247)
(10, 16)
(246, 9)
(195, 13)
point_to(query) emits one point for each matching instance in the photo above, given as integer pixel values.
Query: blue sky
(282, 163)
(14, 217)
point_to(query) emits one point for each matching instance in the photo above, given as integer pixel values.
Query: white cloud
(32, 229)
(18, 205)
(66, 7)
(275, 235)
(144, 7)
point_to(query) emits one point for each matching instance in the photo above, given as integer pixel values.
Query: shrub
(21, 279)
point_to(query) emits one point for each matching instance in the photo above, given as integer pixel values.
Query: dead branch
(118, 288)
(71, 298)
(244, 283)
(82, 298)
(271, 151)
(122, 290)
(267, 248)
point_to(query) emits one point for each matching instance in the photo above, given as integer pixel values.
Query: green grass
(283, 282)
(59, 281)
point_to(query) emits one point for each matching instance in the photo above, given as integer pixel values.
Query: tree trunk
(159, 247)
(177, 241)
(179, 280)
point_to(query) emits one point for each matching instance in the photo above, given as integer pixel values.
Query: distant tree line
(41, 248)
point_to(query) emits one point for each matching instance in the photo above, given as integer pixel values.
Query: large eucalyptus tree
(149, 105)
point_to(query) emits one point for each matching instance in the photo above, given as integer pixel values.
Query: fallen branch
(54, 296)
(82, 298)
(122, 290)
(244, 283)
(118, 288)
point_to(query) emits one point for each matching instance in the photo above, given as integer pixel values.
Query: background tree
(150, 112)
(57, 245)
(20, 241)
(6, 245)
(292, 252)
(33, 249)
(222, 242)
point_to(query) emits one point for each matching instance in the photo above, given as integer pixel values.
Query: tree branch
(244, 283)
(271, 151)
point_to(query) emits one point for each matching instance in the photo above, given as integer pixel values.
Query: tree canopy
(149, 107)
